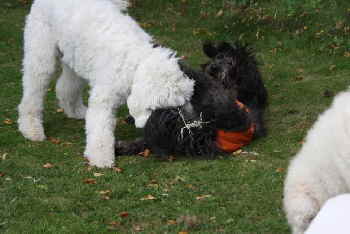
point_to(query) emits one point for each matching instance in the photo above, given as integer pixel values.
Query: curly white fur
(98, 43)
(321, 170)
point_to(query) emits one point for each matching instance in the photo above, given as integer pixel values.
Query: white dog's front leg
(100, 125)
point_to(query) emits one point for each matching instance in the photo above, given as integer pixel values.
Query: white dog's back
(322, 167)
(96, 42)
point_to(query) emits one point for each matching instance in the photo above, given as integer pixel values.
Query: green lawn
(303, 50)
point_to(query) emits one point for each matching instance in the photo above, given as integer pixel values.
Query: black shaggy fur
(231, 74)
(236, 67)
(212, 105)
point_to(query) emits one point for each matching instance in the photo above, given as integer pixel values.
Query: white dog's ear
(137, 110)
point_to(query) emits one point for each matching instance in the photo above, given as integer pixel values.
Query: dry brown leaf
(97, 174)
(347, 54)
(8, 121)
(2, 174)
(90, 181)
(299, 78)
(171, 222)
(47, 165)
(114, 223)
(105, 192)
(148, 197)
(280, 170)
(54, 140)
(137, 228)
(183, 232)
(332, 67)
(3, 157)
(146, 153)
(104, 197)
(118, 169)
(220, 13)
(171, 158)
(60, 110)
(203, 197)
(124, 214)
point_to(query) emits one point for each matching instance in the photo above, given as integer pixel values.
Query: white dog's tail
(122, 4)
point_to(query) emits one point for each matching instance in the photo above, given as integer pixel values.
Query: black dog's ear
(209, 49)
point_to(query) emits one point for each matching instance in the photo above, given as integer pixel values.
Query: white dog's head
(158, 83)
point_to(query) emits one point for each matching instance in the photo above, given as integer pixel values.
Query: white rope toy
(193, 124)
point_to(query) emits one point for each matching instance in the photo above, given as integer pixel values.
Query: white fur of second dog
(321, 170)
(99, 44)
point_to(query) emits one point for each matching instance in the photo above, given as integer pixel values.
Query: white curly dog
(321, 170)
(97, 42)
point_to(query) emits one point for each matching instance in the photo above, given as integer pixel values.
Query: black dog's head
(209, 95)
(229, 63)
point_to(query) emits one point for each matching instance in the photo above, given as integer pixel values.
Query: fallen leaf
(137, 228)
(105, 192)
(347, 54)
(332, 67)
(118, 169)
(8, 121)
(220, 13)
(3, 157)
(280, 170)
(113, 225)
(54, 140)
(104, 197)
(148, 197)
(203, 197)
(97, 174)
(47, 165)
(2, 174)
(171, 158)
(90, 181)
(171, 222)
(67, 143)
(237, 152)
(146, 153)
(60, 110)
(124, 214)
(299, 78)
(183, 232)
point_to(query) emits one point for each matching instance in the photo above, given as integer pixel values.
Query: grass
(303, 49)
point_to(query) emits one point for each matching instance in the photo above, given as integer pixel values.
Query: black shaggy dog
(236, 67)
(225, 111)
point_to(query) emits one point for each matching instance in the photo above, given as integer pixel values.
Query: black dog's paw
(130, 147)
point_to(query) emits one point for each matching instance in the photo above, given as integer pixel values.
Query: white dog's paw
(32, 129)
(100, 162)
